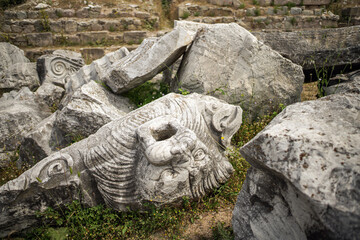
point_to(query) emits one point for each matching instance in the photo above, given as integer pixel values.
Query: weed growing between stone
(150, 24)
(165, 4)
(10, 170)
(45, 22)
(75, 137)
(222, 233)
(324, 74)
(248, 129)
(185, 15)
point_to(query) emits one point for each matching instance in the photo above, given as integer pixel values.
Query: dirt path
(202, 228)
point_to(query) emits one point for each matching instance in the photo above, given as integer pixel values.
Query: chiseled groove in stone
(123, 168)
(100, 167)
(112, 145)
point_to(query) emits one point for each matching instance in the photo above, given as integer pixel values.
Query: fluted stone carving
(170, 148)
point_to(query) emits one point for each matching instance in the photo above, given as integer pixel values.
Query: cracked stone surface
(304, 181)
(228, 62)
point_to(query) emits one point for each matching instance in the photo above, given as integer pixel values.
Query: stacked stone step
(206, 14)
(88, 26)
(288, 18)
(282, 15)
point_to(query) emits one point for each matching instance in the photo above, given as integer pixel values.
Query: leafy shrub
(290, 4)
(165, 4)
(185, 15)
(248, 129)
(4, 4)
(222, 233)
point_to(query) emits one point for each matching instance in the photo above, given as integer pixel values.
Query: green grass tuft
(146, 93)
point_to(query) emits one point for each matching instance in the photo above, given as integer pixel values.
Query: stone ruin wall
(95, 30)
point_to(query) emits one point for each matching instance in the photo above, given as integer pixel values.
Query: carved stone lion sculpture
(168, 149)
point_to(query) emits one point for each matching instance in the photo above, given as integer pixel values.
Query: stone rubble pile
(174, 146)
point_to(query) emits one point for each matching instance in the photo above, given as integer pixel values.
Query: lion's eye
(199, 155)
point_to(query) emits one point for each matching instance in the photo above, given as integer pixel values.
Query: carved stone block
(168, 149)
(56, 67)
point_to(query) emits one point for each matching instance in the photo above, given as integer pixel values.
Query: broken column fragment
(153, 56)
(95, 71)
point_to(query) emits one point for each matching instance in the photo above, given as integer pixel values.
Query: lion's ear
(226, 120)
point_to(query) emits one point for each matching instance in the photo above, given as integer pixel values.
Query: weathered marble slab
(305, 175)
(228, 62)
